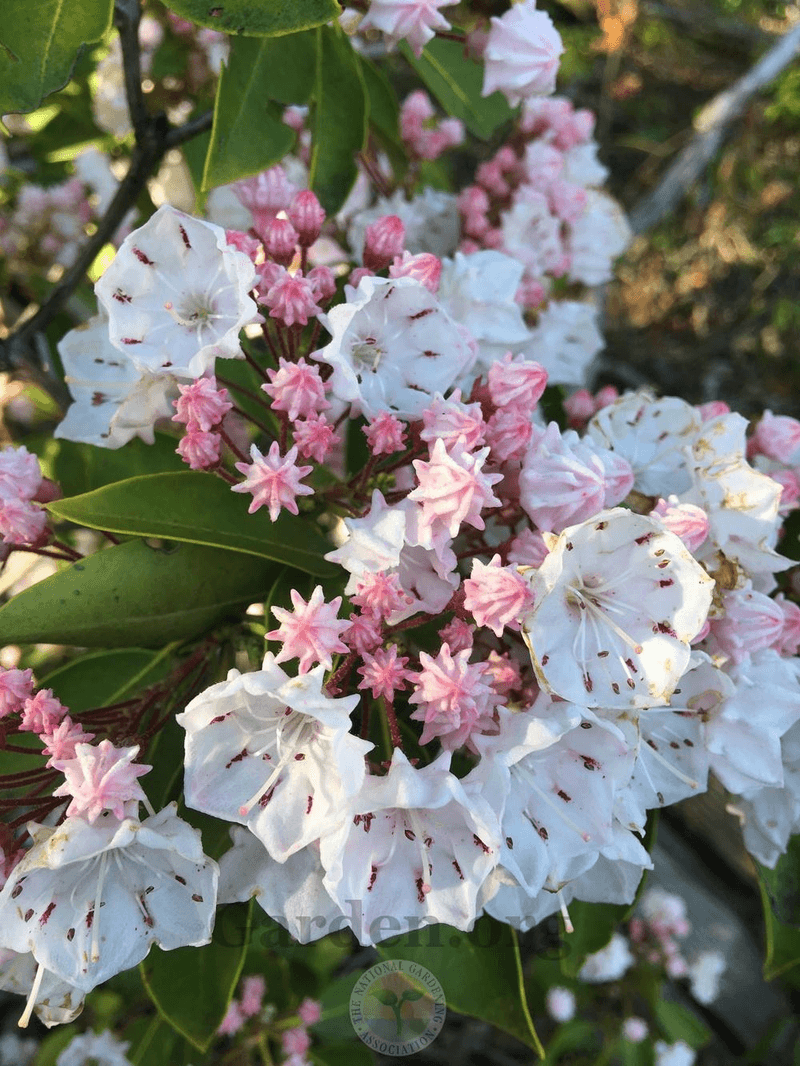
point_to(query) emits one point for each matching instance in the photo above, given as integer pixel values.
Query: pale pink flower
(380, 594)
(243, 242)
(383, 240)
(560, 1003)
(522, 54)
(297, 389)
(424, 135)
(310, 1011)
(100, 778)
(635, 1029)
(311, 632)
(200, 450)
(322, 281)
(454, 697)
(528, 548)
(306, 214)
(21, 522)
(752, 621)
(580, 407)
(265, 195)
(273, 479)
(790, 489)
(315, 437)
(59, 742)
(295, 1041)
(357, 275)
(384, 672)
(415, 21)
(385, 434)
(233, 1020)
(42, 712)
(789, 641)
(425, 268)
(504, 672)
(452, 490)
(491, 176)
(280, 240)
(777, 437)
(543, 166)
(496, 595)
(364, 633)
(712, 409)
(16, 686)
(563, 480)
(252, 994)
(20, 474)
(567, 200)
(685, 520)
(201, 405)
(290, 299)
(457, 634)
(508, 433)
(454, 423)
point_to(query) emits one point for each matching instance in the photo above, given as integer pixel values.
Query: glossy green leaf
(340, 118)
(133, 595)
(39, 44)
(261, 76)
(783, 885)
(480, 972)
(679, 1023)
(192, 987)
(80, 468)
(200, 509)
(153, 1042)
(103, 677)
(456, 81)
(782, 944)
(257, 18)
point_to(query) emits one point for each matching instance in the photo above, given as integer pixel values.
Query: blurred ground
(706, 305)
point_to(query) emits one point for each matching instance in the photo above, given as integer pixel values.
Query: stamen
(26, 1014)
(568, 926)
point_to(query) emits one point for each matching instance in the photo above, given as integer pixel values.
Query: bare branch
(178, 135)
(127, 15)
(713, 125)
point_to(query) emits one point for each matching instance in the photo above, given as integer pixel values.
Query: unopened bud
(383, 240)
(280, 240)
(306, 214)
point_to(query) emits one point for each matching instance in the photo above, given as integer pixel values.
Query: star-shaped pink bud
(384, 672)
(274, 480)
(311, 632)
(452, 489)
(101, 778)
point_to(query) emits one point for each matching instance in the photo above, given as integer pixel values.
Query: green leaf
(480, 972)
(783, 885)
(192, 987)
(40, 43)
(82, 467)
(133, 595)
(261, 75)
(104, 677)
(456, 81)
(257, 18)
(154, 1042)
(352, 1054)
(679, 1023)
(340, 118)
(783, 942)
(201, 509)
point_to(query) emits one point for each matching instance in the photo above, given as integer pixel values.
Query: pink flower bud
(712, 409)
(243, 242)
(280, 240)
(777, 437)
(580, 407)
(383, 240)
(385, 434)
(359, 273)
(323, 283)
(424, 268)
(306, 214)
(686, 521)
(200, 450)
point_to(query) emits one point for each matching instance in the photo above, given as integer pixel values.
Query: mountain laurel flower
(516, 382)
(254, 988)
(200, 450)
(60, 741)
(201, 405)
(16, 686)
(177, 294)
(280, 240)
(274, 480)
(454, 423)
(522, 54)
(42, 713)
(101, 778)
(384, 672)
(383, 240)
(322, 281)
(310, 1011)
(560, 1003)
(20, 474)
(307, 215)
(425, 268)
(380, 594)
(364, 633)
(496, 595)
(635, 1029)
(315, 437)
(385, 434)
(297, 389)
(508, 433)
(452, 490)
(311, 632)
(685, 520)
(264, 195)
(777, 437)
(415, 21)
(291, 299)
(21, 522)
(455, 698)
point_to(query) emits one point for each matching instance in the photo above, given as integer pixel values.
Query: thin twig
(713, 125)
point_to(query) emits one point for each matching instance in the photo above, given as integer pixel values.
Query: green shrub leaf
(257, 18)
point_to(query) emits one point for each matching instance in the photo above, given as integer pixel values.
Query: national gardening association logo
(397, 1007)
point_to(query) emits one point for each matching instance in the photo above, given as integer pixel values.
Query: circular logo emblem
(397, 1007)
